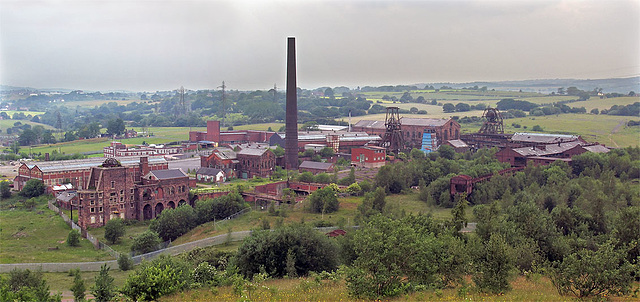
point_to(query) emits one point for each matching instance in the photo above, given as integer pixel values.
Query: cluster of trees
(627, 110)
(173, 223)
(462, 107)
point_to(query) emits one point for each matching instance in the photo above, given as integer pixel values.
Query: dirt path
(615, 130)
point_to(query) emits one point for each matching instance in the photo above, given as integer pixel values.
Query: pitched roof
(597, 148)
(168, 174)
(409, 121)
(208, 171)
(544, 138)
(546, 149)
(252, 151)
(80, 164)
(458, 143)
(315, 165)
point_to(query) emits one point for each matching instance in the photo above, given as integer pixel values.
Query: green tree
(5, 190)
(303, 248)
(78, 288)
(446, 151)
(104, 290)
(125, 262)
(494, 263)
(459, 219)
(146, 242)
(588, 273)
(25, 285)
(73, 239)
(113, 230)
(33, 188)
(448, 108)
(28, 137)
(324, 201)
(115, 126)
(160, 277)
(173, 223)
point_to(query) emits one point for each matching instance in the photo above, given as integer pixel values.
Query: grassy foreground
(536, 288)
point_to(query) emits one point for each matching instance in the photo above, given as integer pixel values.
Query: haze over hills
(620, 85)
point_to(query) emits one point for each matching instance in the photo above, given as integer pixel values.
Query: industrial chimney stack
(291, 127)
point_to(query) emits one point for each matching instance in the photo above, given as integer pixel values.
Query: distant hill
(620, 85)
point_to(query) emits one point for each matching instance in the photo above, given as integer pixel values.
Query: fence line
(97, 244)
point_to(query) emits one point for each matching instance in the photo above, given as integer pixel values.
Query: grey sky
(162, 45)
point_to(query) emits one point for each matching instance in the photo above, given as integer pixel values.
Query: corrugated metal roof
(168, 174)
(252, 151)
(408, 121)
(315, 165)
(545, 138)
(458, 143)
(360, 138)
(546, 149)
(82, 164)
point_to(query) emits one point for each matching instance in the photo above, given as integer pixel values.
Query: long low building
(77, 172)
(415, 129)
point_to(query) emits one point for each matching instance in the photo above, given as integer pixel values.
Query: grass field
(125, 242)
(27, 237)
(535, 288)
(5, 124)
(32, 113)
(600, 104)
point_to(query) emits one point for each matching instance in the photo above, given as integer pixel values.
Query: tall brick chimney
(213, 131)
(144, 166)
(291, 126)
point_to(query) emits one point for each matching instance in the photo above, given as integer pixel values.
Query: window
(100, 194)
(92, 210)
(121, 192)
(113, 184)
(131, 191)
(92, 202)
(132, 205)
(93, 219)
(100, 209)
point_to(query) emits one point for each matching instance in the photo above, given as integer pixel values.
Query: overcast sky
(162, 45)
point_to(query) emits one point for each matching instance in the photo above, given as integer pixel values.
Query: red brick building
(316, 167)
(542, 154)
(414, 128)
(213, 134)
(77, 171)
(117, 149)
(370, 156)
(116, 191)
(250, 161)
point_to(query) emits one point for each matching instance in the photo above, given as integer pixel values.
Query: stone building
(250, 160)
(114, 191)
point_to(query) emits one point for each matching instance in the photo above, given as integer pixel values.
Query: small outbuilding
(316, 167)
(205, 174)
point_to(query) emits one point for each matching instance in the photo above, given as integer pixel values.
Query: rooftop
(82, 164)
(168, 174)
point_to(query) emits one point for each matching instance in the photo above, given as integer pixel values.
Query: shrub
(25, 285)
(33, 188)
(324, 201)
(125, 262)
(73, 239)
(113, 230)
(587, 273)
(270, 251)
(78, 288)
(103, 290)
(146, 242)
(160, 277)
(494, 263)
(173, 223)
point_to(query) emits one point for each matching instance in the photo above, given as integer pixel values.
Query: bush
(173, 223)
(25, 285)
(78, 288)
(125, 262)
(324, 201)
(113, 230)
(268, 251)
(494, 264)
(160, 277)
(146, 242)
(588, 273)
(219, 208)
(103, 290)
(33, 188)
(73, 239)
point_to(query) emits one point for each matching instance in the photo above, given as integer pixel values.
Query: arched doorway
(146, 212)
(181, 202)
(159, 208)
(171, 204)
